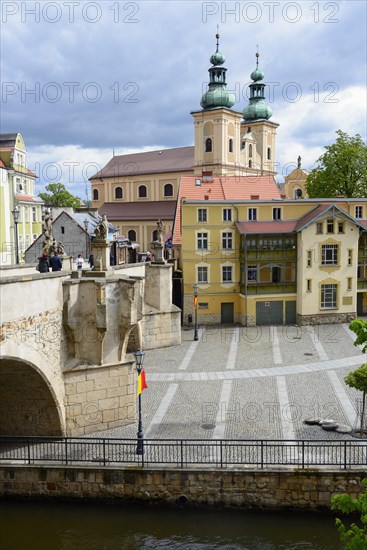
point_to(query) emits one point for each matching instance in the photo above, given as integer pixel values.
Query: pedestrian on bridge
(56, 263)
(43, 263)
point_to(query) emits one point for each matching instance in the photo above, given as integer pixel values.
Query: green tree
(353, 536)
(358, 378)
(342, 170)
(59, 196)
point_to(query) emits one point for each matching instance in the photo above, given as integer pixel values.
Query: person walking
(56, 262)
(43, 263)
(79, 262)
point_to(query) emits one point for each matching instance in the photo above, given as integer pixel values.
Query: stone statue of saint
(47, 224)
(101, 231)
(160, 231)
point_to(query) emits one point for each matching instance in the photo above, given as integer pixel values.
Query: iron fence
(181, 453)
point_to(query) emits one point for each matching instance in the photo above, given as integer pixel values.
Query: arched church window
(269, 153)
(230, 145)
(168, 190)
(118, 193)
(131, 235)
(142, 191)
(250, 150)
(208, 145)
(95, 195)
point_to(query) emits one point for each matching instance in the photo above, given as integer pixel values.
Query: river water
(56, 525)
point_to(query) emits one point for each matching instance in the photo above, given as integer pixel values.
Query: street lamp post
(86, 224)
(15, 213)
(196, 336)
(139, 358)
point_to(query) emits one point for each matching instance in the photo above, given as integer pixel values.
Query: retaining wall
(275, 490)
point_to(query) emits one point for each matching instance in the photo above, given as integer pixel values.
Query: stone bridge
(65, 345)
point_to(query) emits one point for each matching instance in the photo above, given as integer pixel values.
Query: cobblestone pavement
(249, 383)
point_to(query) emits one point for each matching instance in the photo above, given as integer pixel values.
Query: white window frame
(359, 212)
(329, 254)
(227, 240)
(254, 270)
(227, 214)
(202, 273)
(202, 214)
(329, 296)
(252, 214)
(202, 238)
(228, 269)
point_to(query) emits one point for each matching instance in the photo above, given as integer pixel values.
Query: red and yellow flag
(141, 382)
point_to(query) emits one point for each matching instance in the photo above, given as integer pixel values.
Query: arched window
(118, 193)
(250, 163)
(168, 190)
(250, 150)
(95, 195)
(269, 153)
(142, 191)
(208, 145)
(131, 235)
(230, 145)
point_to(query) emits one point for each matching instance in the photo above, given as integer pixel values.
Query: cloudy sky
(81, 79)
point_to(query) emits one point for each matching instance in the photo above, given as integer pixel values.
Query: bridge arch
(28, 404)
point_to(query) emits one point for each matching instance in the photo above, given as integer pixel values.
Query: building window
(359, 211)
(142, 191)
(35, 236)
(202, 215)
(203, 305)
(208, 145)
(349, 283)
(277, 214)
(34, 214)
(309, 258)
(95, 195)
(350, 256)
(250, 163)
(252, 214)
(319, 229)
(26, 213)
(118, 193)
(202, 241)
(230, 146)
(227, 214)
(309, 285)
(329, 254)
(226, 273)
(62, 230)
(252, 273)
(328, 296)
(269, 153)
(202, 275)
(227, 240)
(243, 145)
(131, 235)
(330, 226)
(250, 151)
(18, 185)
(168, 190)
(340, 227)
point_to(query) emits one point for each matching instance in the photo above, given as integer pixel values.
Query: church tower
(217, 127)
(258, 134)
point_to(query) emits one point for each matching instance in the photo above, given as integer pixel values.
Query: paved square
(249, 383)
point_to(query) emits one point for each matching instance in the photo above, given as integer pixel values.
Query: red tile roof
(254, 228)
(180, 159)
(153, 210)
(223, 188)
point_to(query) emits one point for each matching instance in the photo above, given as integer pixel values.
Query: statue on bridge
(101, 230)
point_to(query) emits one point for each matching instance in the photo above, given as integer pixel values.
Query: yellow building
(17, 192)
(275, 261)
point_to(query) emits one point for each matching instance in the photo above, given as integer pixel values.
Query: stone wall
(276, 490)
(99, 398)
(162, 329)
(325, 318)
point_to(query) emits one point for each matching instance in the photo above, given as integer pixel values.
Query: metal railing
(181, 453)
